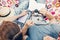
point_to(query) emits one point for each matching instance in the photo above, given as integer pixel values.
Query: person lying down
(11, 31)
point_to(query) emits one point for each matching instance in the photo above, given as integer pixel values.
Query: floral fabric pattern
(8, 3)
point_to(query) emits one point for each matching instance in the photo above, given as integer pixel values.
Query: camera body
(37, 17)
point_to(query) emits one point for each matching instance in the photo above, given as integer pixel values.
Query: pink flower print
(52, 12)
(9, 3)
(54, 2)
(46, 18)
(47, 1)
(59, 15)
(3, 3)
(0, 4)
(56, 17)
(16, 1)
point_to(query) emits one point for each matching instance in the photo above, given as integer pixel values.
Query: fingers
(29, 22)
(43, 11)
(32, 23)
(24, 12)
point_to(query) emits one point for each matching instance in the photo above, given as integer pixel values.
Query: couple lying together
(12, 31)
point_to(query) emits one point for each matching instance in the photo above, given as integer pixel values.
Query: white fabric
(34, 5)
(23, 19)
(8, 18)
(4, 11)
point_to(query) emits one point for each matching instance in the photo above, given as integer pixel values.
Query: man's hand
(29, 22)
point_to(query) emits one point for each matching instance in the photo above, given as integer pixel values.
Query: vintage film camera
(37, 18)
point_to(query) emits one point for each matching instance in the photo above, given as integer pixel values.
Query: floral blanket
(8, 3)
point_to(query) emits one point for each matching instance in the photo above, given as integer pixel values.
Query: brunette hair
(8, 30)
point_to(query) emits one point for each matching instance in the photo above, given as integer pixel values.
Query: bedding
(22, 6)
(9, 3)
(41, 1)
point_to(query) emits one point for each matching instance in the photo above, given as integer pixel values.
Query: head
(8, 30)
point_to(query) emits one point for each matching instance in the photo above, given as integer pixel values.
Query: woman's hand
(26, 26)
(24, 13)
(29, 22)
(46, 13)
(43, 11)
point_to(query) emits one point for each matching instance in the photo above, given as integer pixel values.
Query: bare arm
(24, 29)
(22, 14)
(26, 26)
(46, 13)
(12, 18)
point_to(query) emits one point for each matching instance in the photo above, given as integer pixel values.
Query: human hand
(24, 12)
(29, 22)
(43, 11)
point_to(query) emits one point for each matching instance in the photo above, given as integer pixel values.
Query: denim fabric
(38, 32)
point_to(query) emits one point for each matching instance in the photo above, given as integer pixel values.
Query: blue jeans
(38, 32)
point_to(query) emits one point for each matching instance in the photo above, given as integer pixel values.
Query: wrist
(26, 25)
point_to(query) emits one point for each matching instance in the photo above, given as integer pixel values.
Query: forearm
(24, 29)
(46, 13)
(49, 16)
(22, 14)
(12, 18)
